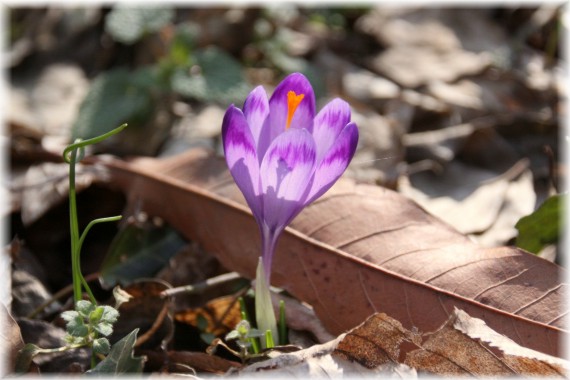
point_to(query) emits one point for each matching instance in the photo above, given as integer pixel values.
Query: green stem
(60, 349)
(282, 324)
(94, 222)
(74, 228)
(80, 244)
(269, 342)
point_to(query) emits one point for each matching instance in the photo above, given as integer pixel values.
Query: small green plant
(250, 340)
(89, 324)
(245, 336)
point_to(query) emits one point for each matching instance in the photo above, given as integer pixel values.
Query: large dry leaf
(381, 345)
(10, 341)
(359, 249)
(467, 346)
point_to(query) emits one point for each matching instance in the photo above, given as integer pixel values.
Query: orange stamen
(293, 101)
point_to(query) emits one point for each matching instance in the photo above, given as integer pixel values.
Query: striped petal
(256, 109)
(334, 163)
(278, 109)
(329, 122)
(286, 171)
(241, 157)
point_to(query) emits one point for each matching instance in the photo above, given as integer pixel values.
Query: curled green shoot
(71, 155)
(80, 144)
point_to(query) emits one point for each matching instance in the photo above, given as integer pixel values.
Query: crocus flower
(282, 156)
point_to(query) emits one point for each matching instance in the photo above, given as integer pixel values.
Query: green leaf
(71, 340)
(218, 79)
(25, 356)
(101, 346)
(76, 327)
(115, 97)
(269, 342)
(139, 252)
(84, 307)
(201, 322)
(69, 315)
(207, 338)
(127, 24)
(243, 328)
(96, 315)
(542, 227)
(104, 328)
(120, 359)
(110, 314)
(232, 335)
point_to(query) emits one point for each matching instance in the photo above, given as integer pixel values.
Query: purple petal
(329, 122)
(241, 157)
(256, 109)
(286, 171)
(278, 109)
(334, 162)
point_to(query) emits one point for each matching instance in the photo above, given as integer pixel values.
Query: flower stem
(264, 314)
(269, 241)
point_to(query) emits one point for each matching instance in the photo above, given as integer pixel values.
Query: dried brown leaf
(467, 346)
(461, 346)
(10, 341)
(357, 250)
(221, 314)
(202, 361)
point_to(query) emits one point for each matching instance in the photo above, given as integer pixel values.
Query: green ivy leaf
(542, 227)
(127, 24)
(219, 78)
(101, 346)
(120, 359)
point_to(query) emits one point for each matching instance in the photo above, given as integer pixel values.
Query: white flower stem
(264, 314)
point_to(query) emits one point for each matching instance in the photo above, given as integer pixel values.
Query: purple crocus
(282, 156)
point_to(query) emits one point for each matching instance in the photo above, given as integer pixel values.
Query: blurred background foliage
(451, 102)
